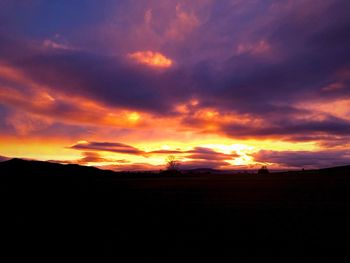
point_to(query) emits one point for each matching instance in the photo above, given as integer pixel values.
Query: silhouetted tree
(263, 170)
(172, 163)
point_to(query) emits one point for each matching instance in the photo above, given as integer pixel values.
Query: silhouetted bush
(263, 170)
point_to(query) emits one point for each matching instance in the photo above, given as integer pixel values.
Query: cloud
(120, 84)
(132, 167)
(92, 157)
(259, 48)
(108, 146)
(154, 59)
(304, 159)
(201, 153)
(3, 158)
(48, 43)
(254, 68)
(290, 127)
(194, 158)
(241, 82)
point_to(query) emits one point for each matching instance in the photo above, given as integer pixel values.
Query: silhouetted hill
(39, 168)
(339, 170)
(38, 176)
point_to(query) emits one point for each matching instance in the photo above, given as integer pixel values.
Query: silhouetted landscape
(62, 209)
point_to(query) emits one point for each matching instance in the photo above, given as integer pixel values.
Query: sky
(229, 84)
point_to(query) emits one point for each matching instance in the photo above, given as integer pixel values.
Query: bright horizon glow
(61, 152)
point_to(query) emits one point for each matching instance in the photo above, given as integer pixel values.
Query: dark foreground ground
(55, 211)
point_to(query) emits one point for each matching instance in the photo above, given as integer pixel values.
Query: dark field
(51, 210)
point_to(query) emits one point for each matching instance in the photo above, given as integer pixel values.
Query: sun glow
(134, 117)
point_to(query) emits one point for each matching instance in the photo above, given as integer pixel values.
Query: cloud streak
(108, 146)
(306, 159)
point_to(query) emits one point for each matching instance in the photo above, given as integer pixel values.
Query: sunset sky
(226, 84)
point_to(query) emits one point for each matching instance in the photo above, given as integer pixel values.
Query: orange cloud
(184, 24)
(334, 86)
(150, 58)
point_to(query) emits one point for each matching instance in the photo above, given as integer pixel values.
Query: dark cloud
(109, 147)
(244, 83)
(201, 153)
(306, 159)
(105, 79)
(289, 128)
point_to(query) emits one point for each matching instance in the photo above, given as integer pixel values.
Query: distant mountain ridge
(45, 168)
(37, 168)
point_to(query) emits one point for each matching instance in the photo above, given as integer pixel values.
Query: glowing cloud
(150, 58)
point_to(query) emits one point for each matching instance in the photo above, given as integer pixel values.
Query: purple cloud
(304, 159)
(109, 147)
(201, 153)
